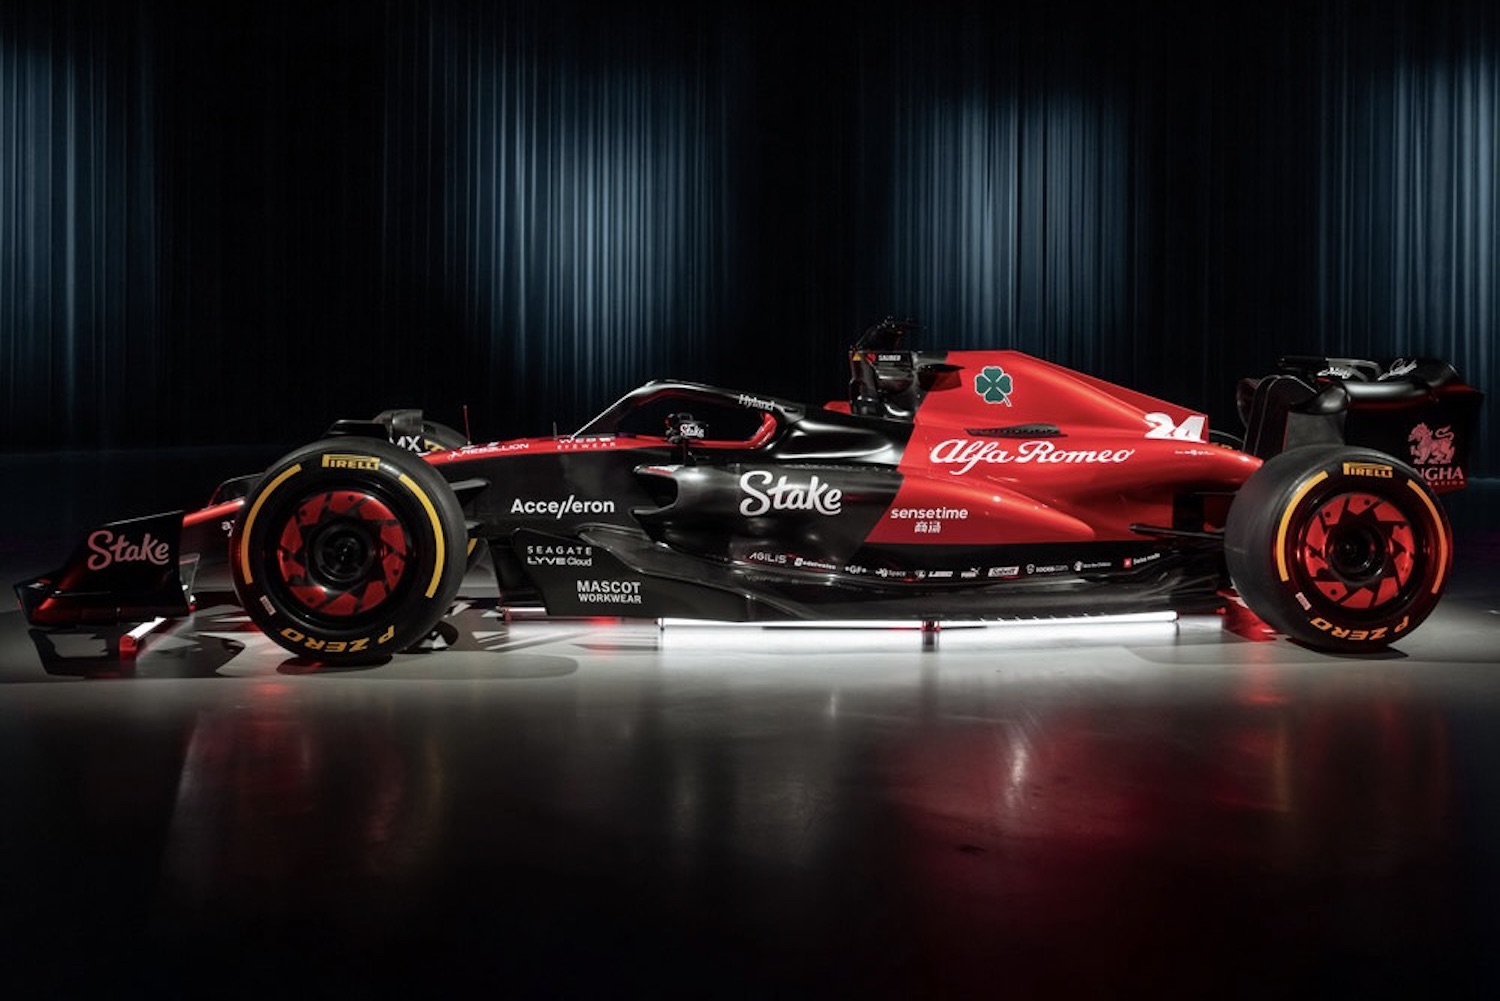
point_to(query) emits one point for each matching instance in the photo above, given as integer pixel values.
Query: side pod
(125, 571)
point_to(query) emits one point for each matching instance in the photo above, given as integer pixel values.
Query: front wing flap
(124, 571)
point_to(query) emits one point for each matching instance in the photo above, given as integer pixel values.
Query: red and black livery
(949, 485)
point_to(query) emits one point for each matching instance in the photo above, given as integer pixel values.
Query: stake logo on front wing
(107, 549)
(966, 453)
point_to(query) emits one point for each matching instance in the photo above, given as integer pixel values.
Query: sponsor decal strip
(559, 556)
(336, 646)
(923, 513)
(366, 463)
(787, 495)
(613, 592)
(1358, 635)
(560, 509)
(967, 453)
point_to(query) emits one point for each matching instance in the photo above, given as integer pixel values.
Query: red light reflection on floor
(1124, 829)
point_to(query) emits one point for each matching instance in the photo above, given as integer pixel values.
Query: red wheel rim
(1359, 551)
(342, 553)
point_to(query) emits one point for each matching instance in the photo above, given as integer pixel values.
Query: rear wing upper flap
(1418, 410)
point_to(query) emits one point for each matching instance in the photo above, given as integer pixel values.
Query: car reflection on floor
(570, 807)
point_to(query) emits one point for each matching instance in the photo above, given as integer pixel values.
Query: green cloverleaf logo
(993, 385)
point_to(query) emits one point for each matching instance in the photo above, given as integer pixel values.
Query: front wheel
(348, 550)
(1342, 549)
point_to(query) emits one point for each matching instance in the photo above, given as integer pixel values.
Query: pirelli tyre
(410, 430)
(348, 550)
(441, 437)
(1342, 549)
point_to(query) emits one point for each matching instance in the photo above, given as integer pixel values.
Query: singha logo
(1429, 447)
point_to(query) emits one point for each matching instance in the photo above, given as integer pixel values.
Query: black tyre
(441, 437)
(410, 430)
(1342, 549)
(348, 550)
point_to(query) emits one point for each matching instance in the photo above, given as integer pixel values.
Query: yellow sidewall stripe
(1437, 519)
(246, 565)
(1286, 518)
(437, 533)
(250, 521)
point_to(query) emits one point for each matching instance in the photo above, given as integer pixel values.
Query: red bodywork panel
(1007, 447)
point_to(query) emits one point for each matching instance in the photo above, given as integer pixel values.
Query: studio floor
(613, 808)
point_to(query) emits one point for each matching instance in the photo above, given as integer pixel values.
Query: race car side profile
(948, 485)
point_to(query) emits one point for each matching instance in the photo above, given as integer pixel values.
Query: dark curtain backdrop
(237, 221)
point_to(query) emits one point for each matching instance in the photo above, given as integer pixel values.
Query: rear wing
(1417, 410)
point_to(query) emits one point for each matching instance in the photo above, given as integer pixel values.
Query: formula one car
(949, 485)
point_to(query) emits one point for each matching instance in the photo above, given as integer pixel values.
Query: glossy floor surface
(613, 808)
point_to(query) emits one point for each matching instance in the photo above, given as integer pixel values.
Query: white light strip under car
(130, 643)
(1135, 618)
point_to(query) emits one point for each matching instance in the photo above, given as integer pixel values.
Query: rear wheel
(1339, 548)
(348, 550)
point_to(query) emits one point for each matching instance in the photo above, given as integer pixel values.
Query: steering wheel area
(702, 418)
